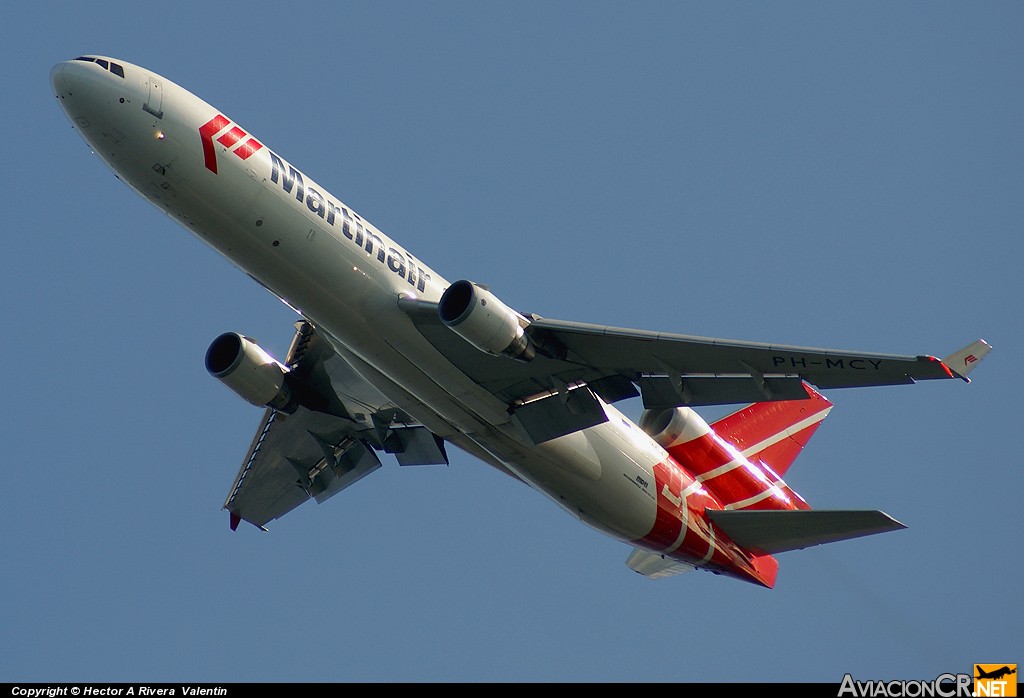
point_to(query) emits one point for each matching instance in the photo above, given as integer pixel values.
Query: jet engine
(476, 315)
(673, 425)
(252, 373)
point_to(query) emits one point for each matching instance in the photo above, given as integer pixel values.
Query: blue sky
(827, 174)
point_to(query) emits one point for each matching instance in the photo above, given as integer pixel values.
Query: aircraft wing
(316, 453)
(666, 370)
(294, 458)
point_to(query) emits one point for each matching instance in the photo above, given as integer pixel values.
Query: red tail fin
(773, 433)
(740, 459)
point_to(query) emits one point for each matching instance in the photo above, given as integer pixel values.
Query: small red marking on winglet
(235, 519)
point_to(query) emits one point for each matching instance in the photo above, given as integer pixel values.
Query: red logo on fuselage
(214, 126)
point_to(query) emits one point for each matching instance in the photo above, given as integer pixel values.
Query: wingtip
(894, 524)
(961, 363)
(234, 520)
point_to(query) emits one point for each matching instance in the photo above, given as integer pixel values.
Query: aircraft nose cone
(71, 85)
(57, 79)
(78, 79)
(87, 92)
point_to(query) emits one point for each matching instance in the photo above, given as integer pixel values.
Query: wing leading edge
(666, 370)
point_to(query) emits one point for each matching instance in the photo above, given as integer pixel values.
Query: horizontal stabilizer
(963, 362)
(775, 531)
(654, 565)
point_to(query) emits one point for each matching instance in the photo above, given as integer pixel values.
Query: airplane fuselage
(336, 269)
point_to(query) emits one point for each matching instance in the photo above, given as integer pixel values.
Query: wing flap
(296, 457)
(558, 415)
(671, 391)
(316, 453)
(777, 531)
(416, 446)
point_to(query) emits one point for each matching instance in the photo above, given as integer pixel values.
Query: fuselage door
(154, 103)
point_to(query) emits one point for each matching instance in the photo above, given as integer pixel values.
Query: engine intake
(476, 315)
(242, 365)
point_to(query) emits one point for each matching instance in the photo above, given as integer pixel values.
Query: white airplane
(391, 357)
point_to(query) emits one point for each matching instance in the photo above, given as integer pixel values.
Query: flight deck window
(115, 68)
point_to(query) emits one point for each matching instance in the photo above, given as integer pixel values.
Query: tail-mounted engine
(476, 315)
(252, 373)
(669, 426)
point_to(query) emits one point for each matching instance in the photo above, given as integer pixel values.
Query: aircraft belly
(625, 501)
(603, 475)
(597, 475)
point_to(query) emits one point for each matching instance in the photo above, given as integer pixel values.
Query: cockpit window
(114, 68)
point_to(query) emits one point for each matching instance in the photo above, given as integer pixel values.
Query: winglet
(963, 362)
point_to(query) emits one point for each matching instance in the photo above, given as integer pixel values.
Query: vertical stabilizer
(741, 458)
(773, 433)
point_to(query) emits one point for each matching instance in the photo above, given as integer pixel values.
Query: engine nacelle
(476, 315)
(252, 373)
(673, 425)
